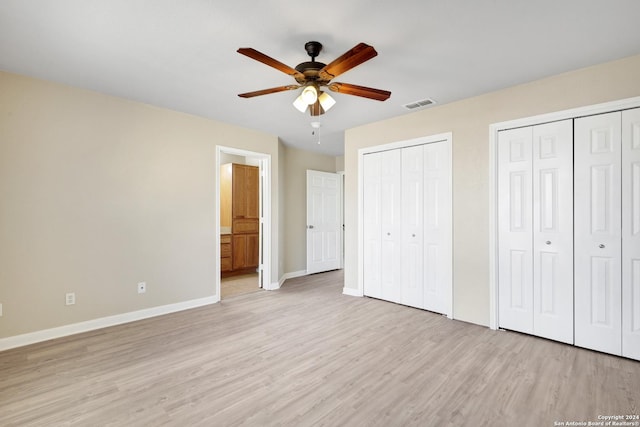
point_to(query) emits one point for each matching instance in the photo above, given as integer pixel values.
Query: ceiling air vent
(419, 104)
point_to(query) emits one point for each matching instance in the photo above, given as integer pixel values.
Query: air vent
(419, 104)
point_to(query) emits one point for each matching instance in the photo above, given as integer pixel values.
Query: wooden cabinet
(245, 191)
(245, 251)
(240, 211)
(226, 261)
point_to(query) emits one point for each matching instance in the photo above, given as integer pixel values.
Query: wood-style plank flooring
(307, 355)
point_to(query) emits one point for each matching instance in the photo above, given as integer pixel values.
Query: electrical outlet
(70, 298)
(142, 287)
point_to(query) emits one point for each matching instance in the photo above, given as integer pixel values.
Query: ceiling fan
(311, 76)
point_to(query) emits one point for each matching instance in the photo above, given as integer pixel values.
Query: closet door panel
(515, 230)
(372, 225)
(597, 202)
(391, 224)
(437, 224)
(412, 226)
(553, 230)
(631, 233)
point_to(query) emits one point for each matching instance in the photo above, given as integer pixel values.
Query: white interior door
(631, 233)
(553, 230)
(515, 230)
(324, 228)
(438, 269)
(412, 265)
(597, 202)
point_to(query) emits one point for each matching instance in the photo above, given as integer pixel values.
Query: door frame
(573, 113)
(446, 137)
(265, 220)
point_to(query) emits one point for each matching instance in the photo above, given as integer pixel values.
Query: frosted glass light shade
(326, 101)
(300, 104)
(309, 95)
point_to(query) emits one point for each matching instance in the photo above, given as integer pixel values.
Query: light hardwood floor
(237, 285)
(307, 355)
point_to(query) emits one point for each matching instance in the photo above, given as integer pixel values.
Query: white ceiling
(181, 54)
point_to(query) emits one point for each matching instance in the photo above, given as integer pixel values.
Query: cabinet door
(239, 185)
(553, 231)
(246, 191)
(631, 233)
(251, 192)
(597, 222)
(252, 242)
(515, 230)
(239, 251)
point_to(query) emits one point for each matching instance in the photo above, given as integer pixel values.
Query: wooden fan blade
(267, 60)
(365, 92)
(268, 91)
(353, 57)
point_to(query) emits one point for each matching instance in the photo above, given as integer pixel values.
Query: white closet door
(515, 230)
(391, 226)
(438, 274)
(372, 225)
(631, 233)
(412, 226)
(553, 230)
(598, 232)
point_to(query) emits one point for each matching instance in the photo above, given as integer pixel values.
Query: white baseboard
(291, 275)
(352, 292)
(90, 325)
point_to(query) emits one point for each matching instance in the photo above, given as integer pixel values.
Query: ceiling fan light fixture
(326, 101)
(309, 94)
(300, 104)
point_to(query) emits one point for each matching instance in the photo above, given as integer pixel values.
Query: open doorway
(242, 224)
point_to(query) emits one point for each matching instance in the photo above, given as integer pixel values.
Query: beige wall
(296, 162)
(469, 121)
(99, 193)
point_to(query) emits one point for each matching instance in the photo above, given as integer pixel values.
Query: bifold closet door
(407, 226)
(438, 270)
(413, 262)
(631, 233)
(598, 198)
(535, 237)
(382, 225)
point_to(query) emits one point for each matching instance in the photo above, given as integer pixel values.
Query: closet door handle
(413, 235)
(388, 234)
(548, 242)
(601, 246)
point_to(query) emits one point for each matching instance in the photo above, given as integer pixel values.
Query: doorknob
(548, 242)
(309, 226)
(601, 246)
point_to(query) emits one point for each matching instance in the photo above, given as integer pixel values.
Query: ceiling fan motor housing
(313, 49)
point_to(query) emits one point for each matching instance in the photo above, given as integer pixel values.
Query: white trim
(441, 137)
(352, 292)
(265, 236)
(494, 128)
(104, 322)
(291, 275)
(274, 286)
(341, 174)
